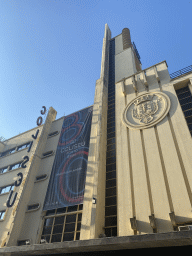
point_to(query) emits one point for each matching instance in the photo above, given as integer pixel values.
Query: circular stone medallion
(146, 110)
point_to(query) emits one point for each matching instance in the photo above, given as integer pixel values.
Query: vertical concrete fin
(105, 53)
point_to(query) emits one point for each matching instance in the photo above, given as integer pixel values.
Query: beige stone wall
(153, 164)
(15, 216)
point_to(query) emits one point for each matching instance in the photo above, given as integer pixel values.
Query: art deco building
(115, 175)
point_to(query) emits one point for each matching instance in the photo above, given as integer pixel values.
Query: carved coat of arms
(145, 108)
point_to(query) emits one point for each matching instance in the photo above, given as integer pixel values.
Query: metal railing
(181, 72)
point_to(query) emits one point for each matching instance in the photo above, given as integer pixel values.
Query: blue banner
(67, 181)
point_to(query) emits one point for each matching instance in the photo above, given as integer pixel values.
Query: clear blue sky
(50, 50)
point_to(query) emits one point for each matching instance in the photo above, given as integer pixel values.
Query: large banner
(67, 181)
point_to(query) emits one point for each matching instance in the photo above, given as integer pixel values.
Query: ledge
(177, 238)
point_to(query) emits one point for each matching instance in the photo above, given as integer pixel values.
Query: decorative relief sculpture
(146, 110)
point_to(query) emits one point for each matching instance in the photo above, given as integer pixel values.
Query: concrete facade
(153, 157)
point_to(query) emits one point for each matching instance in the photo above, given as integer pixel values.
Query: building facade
(136, 190)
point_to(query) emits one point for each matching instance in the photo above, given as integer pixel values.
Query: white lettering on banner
(73, 147)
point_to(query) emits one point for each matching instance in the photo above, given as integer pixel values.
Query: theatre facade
(115, 175)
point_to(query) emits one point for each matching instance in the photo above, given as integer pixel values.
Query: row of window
(10, 167)
(8, 188)
(13, 150)
(23, 146)
(110, 196)
(18, 165)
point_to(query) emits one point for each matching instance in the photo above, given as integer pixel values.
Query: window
(52, 134)
(62, 224)
(41, 177)
(5, 153)
(15, 166)
(4, 169)
(12, 150)
(6, 189)
(26, 145)
(23, 242)
(46, 154)
(185, 100)
(2, 214)
(33, 207)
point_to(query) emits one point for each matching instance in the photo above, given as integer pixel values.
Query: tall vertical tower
(120, 59)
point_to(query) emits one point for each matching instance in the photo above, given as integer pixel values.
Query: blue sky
(50, 50)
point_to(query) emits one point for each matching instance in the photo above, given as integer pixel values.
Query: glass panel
(186, 106)
(72, 208)
(110, 175)
(110, 191)
(50, 212)
(48, 222)
(78, 226)
(79, 216)
(61, 210)
(68, 237)
(182, 90)
(111, 167)
(71, 218)
(184, 95)
(114, 231)
(59, 220)
(46, 238)
(3, 170)
(185, 100)
(108, 232)
(110, 201)
(111, 154)
(70, 227)
(12, 151)
(110, 183)
(189, 120)
(56, 238)
(111, 221)
(111, 210)
(77, 235)
(47, 230)
(58, 229)
(80, 206)
(2, 215)
(111, 141)
(188, 113)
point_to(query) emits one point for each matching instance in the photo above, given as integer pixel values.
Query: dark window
(4, 169)
(41, 177)
(33, 207)
(111, 156)
(185, 99)
(111, 135)
(23, 242)
(15, 166)
(53, 134)
(26, 145)
(46, 154)
(110, 183)
(63, 227)
(110, 175)
(110, 191)
(111, 167)
(2, 214)
(110, 201)
(6, 189)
